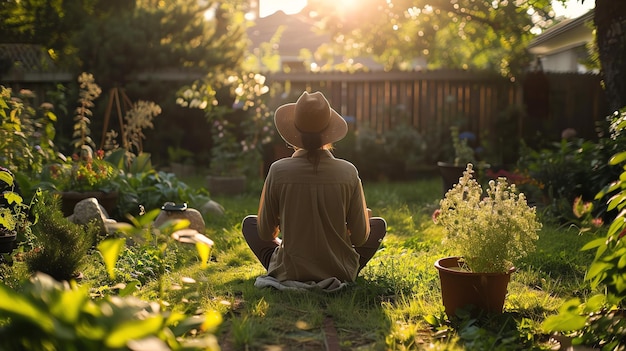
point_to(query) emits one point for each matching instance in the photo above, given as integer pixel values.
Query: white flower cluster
(490, 232)
(192, 98)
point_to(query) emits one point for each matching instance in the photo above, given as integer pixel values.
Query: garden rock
(88, 210)
(213, 208)
(194, 217)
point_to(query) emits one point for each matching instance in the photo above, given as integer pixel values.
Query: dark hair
(312, 142)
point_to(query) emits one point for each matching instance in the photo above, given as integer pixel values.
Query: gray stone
(194, 216)
(212, 207)
(88, 210)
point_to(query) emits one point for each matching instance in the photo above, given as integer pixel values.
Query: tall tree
(610, 22)
(160, 36)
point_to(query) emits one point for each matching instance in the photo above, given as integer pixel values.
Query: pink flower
(27, 93)
(436, 215)
(597, 222)
(47, 106)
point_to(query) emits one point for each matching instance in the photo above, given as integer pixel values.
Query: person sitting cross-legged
(313, 223)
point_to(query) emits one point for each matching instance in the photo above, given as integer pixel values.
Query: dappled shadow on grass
(291, 320)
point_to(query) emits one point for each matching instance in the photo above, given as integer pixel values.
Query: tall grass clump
(60, 247)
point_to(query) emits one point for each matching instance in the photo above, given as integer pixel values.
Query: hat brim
(284, 119)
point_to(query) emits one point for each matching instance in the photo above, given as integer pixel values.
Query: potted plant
(229, 157)
(463, 154)
(240, 125)
(86, 175)
(488, 234)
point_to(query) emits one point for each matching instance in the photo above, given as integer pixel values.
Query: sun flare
(346, 6)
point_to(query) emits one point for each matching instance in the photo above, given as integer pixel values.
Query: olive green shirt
(319, 217)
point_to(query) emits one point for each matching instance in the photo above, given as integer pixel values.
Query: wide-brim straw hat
(310, 114)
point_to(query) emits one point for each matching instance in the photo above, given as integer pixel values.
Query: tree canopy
(117, 39)
(52, 23)
(465, 34)
(164, 36)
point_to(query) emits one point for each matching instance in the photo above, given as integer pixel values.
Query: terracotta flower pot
(460, 289)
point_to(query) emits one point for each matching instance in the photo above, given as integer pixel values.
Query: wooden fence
(548, 103)
(432, 100)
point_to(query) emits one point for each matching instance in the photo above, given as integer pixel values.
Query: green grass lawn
(395, 303)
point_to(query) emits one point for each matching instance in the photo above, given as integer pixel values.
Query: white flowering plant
(238, 130)
(490, 233)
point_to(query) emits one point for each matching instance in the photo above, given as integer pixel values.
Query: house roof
(564, 35)
(298, 32)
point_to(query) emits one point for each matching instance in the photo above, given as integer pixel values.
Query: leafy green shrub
(607, 268)
(26, 133)
(599, 321)
(568, 170)
(48, 315)
(563, 169)
(238, 131)
(574, 168)
(151, 189)
(390, 153)
(60, 246)
(144, 263)
(13, 209)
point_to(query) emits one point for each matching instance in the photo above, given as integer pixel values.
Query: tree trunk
(610, 21)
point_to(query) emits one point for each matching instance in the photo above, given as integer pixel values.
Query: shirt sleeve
(268, 220)
(357, 221)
